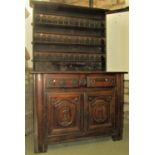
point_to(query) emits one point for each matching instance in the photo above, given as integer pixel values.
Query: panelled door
(64, 113)
(99, 111)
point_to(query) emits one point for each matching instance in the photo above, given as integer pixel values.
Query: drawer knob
(93, 82)
(83, 82)
(76, 99)
(51, 82)
(106, 80)
(62, 83)
(75, 82)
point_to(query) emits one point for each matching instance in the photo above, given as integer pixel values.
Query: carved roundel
(65, 114)
(99, 112)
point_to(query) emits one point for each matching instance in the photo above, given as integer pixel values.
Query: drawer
(101, 81)
(62, 81)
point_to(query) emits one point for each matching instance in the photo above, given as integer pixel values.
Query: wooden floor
(97, 146)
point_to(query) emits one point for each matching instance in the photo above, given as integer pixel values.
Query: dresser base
(74, 106)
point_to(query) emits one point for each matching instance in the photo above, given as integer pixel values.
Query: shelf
(68, 48)
(68, 21)
(67, 26)
(70, 34)
(69, 52)
(57, 34)
(71, 15)
(65, 39)
(69, 57)
(84, 61)
(64, 44)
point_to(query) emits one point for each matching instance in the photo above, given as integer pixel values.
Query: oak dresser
(74, 96)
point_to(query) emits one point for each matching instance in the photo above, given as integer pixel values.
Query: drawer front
(62, 81)
(101, 81)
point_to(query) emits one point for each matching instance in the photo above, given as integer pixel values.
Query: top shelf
(67, 21)
(57, 7)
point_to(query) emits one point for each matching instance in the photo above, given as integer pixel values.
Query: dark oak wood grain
(68, 109)
(68, 38)
(74, 96)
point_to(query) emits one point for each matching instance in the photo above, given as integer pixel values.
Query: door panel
(100, 107)
(65, 111)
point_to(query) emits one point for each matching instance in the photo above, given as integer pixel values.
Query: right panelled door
(100, 111)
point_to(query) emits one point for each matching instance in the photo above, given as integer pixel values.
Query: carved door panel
(100, 109)
(65, 112)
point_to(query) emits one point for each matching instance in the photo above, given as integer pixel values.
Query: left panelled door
(64, 114)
